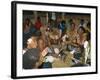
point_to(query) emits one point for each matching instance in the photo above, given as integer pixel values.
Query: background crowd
(52, 39)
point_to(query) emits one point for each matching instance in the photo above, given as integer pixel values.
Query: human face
(41, 44)
(80, 31)
(72, 26)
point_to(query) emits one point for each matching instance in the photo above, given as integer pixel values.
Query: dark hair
(63, 22)
(27, 19)
(88, 36)
(89, 25)
(26, 22)
(82, 20)
(81, 27)
(38, 18)
(70, 20)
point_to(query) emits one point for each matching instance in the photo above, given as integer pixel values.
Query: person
(54, 36)
(88, 27)
(82, 23)
(45, 34)
(26, 31)
(76, 41)
(31, 56)
(62, 27)
(80, 35)
(71, 34)
(69, 23)
(41, 44)
(26, 26)
(80, 44)
(46, 53)
(50, 25)
(86, 49)
(38, 23)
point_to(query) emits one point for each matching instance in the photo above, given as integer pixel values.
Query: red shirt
(38, 24)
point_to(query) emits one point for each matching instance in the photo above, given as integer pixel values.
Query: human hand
(44, 52)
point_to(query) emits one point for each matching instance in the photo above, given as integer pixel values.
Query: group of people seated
(42, 44)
